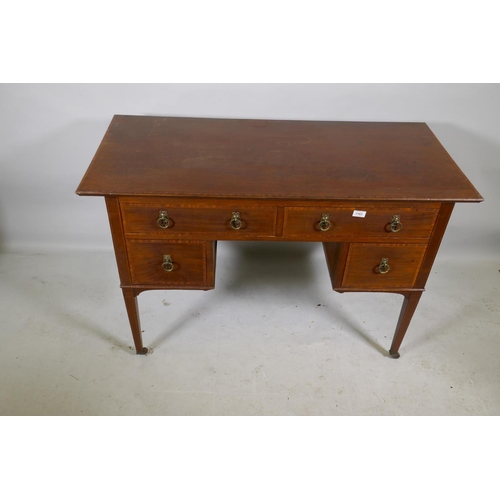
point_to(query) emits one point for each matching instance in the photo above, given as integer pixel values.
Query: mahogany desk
(377, 195)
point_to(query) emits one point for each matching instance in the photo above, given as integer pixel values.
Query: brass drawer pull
(235, 221)
(395, 224)
(384, 266)
(163, 220)
(167, 264)
(324, 223)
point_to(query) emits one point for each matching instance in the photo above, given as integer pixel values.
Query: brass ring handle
(395, 224)
(384, 266)
(325, 224)
(236, 222)
(163, 219)
(167, 264)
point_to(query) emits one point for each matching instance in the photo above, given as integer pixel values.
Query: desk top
(314, 160)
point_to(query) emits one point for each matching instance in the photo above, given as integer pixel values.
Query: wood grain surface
(362, 268)
(198, 221)
(189, 261)
(417, 221)
(314, 160)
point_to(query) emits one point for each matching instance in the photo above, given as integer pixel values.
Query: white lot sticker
(358, 213)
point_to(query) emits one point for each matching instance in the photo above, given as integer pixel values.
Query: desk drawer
(367, 269)
(340, 222)
(172, 264)
(231, 222)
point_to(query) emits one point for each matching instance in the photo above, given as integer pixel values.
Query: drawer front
(361, 222)
(172, 264)
(189, 220)
(365, 268)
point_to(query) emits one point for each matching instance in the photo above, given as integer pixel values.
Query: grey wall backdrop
(49, 134)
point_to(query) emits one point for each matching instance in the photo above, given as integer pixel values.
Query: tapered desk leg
(130, 297)
(409, 305)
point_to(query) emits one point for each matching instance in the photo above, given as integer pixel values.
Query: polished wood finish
(116, 225)
(362, 267)
(270, 159)
(189, 263)
(197, 220)
(336, 257)
(410, 303)
(432, 249)
(417, 221)
(281, 177)
(130, 297)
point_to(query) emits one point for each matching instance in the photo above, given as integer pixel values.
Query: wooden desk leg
(130, 297)
(409, 305)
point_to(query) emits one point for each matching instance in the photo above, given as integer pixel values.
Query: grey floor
(271, 339)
